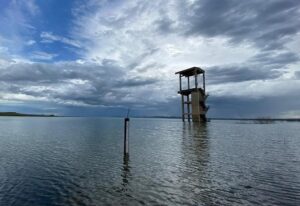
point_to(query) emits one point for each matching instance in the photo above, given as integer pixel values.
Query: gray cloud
(53, 73)
(65, 82)
(225, 74)
(136, 82)
(165, 25)
(263, 66)
(267, 24)
(276, 60)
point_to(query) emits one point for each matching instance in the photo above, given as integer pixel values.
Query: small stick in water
(126, 134)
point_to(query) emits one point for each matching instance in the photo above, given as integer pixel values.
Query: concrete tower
(192, 97)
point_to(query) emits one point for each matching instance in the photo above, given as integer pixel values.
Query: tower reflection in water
(196, 157)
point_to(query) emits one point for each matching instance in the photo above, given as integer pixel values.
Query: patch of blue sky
(56, 20)
(21, 30)
(56, 16)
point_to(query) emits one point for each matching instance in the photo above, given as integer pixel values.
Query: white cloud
(257, 89)
(49, 37)
(17, 25)
(31, 7)
(30, 42)
(129, 35)
(40, 55)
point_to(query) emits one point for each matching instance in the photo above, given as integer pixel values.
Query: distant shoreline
(264, 120)
(237, 119)
(260, 119)
(16, 114)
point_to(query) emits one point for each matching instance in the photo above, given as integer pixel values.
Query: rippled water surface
(79, 161)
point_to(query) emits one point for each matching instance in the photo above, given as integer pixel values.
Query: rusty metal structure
(193, 97)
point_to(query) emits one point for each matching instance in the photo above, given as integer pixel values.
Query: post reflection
(125, 172)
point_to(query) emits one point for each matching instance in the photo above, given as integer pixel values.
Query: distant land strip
(261, 119)
(16, 114)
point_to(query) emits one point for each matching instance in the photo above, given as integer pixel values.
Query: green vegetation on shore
(16, 114)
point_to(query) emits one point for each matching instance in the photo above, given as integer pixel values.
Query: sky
(101, 57)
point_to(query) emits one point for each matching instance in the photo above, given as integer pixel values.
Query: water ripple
(80, 162)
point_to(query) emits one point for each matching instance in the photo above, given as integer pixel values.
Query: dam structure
(193, 96)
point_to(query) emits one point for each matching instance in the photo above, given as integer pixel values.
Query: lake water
(79, 161)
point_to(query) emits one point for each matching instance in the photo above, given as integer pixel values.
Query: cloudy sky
(99, 57)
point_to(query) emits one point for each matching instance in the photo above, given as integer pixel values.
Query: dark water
(78, 161)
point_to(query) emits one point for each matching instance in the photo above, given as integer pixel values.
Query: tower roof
(191, 71)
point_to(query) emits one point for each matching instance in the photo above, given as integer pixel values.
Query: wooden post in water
(126, 136)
